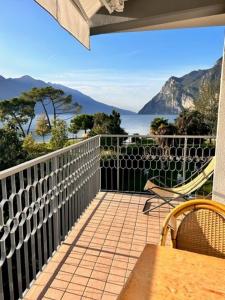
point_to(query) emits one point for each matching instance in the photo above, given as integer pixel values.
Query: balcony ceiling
(83, 18)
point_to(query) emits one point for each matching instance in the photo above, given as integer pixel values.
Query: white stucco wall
(219, 177)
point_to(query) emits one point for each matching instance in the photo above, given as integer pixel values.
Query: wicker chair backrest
(202, 231)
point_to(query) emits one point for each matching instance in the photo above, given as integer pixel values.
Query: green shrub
(59, 135)
(35, 149)
(11, 150)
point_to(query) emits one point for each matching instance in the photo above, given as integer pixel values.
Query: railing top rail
(44, 158)
(161, 136)
(21, 167)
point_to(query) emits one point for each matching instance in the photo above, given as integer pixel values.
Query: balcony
(71, 222)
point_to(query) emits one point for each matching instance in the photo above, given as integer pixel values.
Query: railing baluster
(2, 297)
(118, 163)
(173, 158)
(184, 159)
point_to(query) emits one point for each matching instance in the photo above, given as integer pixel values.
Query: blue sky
(124, 69)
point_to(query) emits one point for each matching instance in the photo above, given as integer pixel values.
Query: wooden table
(164, 273)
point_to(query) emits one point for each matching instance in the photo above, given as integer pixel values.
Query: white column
(219, 176)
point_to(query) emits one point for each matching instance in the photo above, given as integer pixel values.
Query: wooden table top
(164, 273)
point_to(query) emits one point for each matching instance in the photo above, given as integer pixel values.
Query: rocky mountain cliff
(13, 87)
(181, 92)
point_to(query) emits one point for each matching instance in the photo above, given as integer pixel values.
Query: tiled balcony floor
(98, 255)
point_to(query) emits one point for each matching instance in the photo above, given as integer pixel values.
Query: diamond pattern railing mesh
(39, 202)
(128, 161)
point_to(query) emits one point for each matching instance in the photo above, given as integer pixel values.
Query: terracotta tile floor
(99, 253)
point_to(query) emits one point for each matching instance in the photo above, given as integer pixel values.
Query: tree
(56, 98)
(17, 112)
(156, 123)
(81, 122)
(29, 144)
(107, 124)
(59, 134)
(42, 127)
(191, 123)
(34, 149)
(101, 124)
(61, 103)
(115, 124)
(161, 126)
(73, 129)
(11, 151)
(207, 104)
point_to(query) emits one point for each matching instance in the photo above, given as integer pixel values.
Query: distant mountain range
(179, 93)
(13, 87)
(176, 94)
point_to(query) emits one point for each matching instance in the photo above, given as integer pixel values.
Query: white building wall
(219, 176)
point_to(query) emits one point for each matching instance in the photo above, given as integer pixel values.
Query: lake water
(141, 123)
(131, 123)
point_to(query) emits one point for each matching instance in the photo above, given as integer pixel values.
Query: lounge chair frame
(180, 196)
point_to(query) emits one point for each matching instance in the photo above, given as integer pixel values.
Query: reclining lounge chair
(180, 192)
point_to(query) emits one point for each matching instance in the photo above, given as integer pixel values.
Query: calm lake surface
(131, 123)
(141, 123)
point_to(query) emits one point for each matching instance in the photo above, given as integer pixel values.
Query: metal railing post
(184, 158)
(55, 203)
(99, 174)
(118, 165)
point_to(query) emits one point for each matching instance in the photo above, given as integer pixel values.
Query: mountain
(13, 87)
(181, 92)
